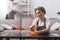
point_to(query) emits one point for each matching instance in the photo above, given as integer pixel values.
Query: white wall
(3, 8)
(51, 6)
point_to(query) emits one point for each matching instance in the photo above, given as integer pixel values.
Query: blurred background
(12, 9)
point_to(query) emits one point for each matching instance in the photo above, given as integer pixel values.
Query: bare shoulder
(48, 20)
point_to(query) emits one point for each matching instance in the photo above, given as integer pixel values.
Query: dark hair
(12, 0)
(41, 9)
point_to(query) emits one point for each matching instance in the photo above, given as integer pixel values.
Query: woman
(40, 23)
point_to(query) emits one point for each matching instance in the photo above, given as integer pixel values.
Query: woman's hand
(35, 32)
(31, 28)
(40, 32)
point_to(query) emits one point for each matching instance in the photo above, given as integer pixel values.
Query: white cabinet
(23, 6)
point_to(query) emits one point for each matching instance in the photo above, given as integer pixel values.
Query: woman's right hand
(31, 28)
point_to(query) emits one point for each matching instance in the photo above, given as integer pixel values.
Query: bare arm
(45, 30)
(32, 27)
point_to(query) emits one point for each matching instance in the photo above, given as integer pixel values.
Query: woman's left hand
(40, 32)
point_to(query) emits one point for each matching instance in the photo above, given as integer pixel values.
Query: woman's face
(39, 13)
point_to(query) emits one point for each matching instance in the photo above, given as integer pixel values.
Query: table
(52, 35)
